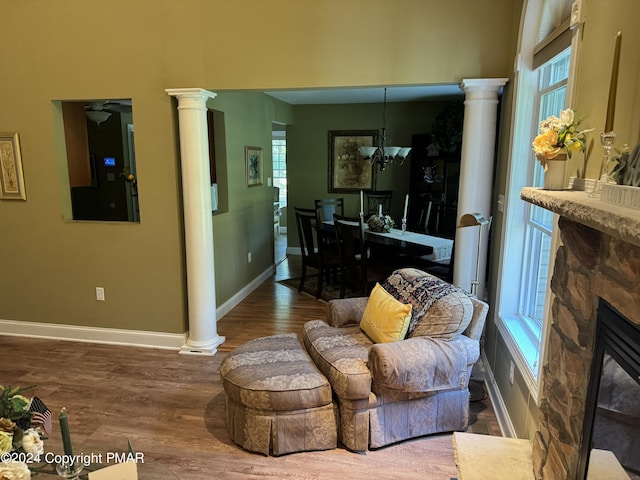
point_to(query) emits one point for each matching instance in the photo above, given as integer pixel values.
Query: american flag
(41, 416)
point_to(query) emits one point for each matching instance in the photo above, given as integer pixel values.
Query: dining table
(435, 249)
(411, 244)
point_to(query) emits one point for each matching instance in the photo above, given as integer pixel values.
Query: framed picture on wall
(254, 165)
(11, 178)
(348, 170)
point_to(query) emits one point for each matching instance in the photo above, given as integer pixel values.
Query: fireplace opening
(612, 416)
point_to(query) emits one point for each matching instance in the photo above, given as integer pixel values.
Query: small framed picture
(11, 178)
(348, 170)
(254, 162)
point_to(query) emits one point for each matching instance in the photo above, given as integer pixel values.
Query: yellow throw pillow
(385, 319)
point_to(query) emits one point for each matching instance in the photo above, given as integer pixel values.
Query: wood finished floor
(171, 407)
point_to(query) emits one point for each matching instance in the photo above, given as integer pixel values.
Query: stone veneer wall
(590, 265)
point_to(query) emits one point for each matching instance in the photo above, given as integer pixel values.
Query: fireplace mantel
(614, 220)
(599, 259)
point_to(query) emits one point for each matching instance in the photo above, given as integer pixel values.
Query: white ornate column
(476, 176)
(196, 193)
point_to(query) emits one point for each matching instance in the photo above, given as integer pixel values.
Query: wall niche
(99, 140)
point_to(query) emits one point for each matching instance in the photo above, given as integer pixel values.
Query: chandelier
(383, 154)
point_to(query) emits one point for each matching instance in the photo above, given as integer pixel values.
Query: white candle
(406, 205)
(361, 202)
(379, 209)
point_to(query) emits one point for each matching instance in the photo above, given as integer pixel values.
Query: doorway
(279, 159)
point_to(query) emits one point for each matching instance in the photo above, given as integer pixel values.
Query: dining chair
(325, 208)
(374, 199)
(425, 216)
(357, 269)
(314, 252)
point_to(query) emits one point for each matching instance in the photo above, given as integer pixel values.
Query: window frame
(276, 159)
(519, 333)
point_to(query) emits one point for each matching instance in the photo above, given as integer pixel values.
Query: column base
(210, 348)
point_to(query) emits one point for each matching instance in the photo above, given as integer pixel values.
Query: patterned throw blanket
(417, 288)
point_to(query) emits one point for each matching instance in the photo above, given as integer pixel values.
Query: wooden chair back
(374, 199)
(306, 219)
(352, 252)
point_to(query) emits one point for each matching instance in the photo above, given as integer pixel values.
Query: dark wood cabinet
(433, 190)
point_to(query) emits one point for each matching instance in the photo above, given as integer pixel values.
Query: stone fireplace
(599, 259)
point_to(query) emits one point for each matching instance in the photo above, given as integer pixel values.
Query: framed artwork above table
(348, 170)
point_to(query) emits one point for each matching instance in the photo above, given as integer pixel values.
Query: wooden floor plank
(171, 406)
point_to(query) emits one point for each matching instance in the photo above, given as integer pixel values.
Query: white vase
(554, 174)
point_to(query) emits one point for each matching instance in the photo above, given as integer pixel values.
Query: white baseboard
(113, 336)
(116, 336)
(235, 300)
(502, 415)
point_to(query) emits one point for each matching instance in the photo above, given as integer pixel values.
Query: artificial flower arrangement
(380, 223)
(559, 135)
(129, 176)
(22, 430)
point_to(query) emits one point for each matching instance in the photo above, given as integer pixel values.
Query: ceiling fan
(99, 111)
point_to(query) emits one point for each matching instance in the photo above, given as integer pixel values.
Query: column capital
(194, 97)
(478, 88)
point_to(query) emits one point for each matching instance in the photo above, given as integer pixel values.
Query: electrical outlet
(249, 257)
(512, 369)
(100, 294)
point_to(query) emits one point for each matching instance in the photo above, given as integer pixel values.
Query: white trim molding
(499, 407)
(235, 300)
(116, 336)
(78, 333)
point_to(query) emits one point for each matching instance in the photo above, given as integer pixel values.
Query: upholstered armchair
(388, 391)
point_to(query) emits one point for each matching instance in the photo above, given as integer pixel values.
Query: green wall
(67, 51)
(248, 226)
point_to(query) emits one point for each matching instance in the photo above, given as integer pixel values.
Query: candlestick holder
(70, 471)
(404, 226)
(607, 140)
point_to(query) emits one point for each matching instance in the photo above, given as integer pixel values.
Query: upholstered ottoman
(276, 399)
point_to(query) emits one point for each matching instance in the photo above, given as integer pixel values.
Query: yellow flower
(558, 135)
(6, 442)
(545, 145)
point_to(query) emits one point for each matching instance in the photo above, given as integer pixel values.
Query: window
(279, 155)
(541, 89)
(552, 86)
